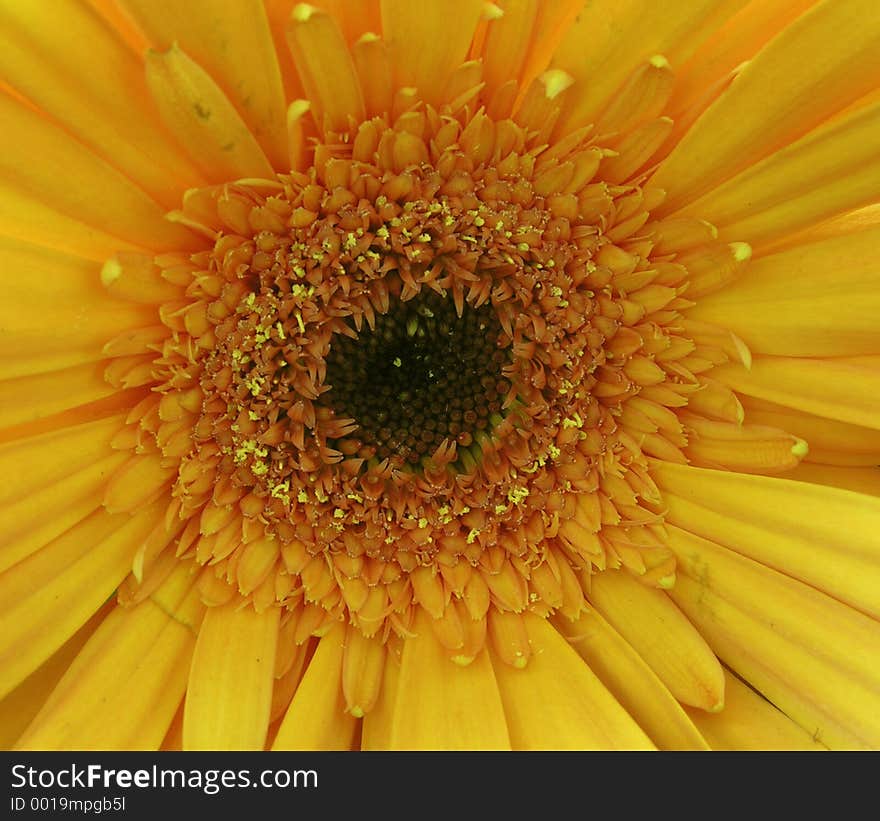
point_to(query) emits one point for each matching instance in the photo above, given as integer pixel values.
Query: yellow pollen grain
(555, 82)
(302, 12)
(800, 448)
(741, 251)
(573, 421)
(491, 11)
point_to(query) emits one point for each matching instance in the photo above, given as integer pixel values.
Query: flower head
(412, 378)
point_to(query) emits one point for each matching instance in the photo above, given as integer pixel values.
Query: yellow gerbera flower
(380, 374)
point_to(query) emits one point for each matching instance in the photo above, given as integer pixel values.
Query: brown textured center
(421, 375)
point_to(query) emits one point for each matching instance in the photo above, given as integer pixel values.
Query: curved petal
(749, 722)
(817, 659)
(467, 712)
(40, 159)
(816, 299)
(842, 388)
(64, 59)
(791, 526)
(232, 41)
(48, 596)
(124, 687)
(230, 681)
(556, 701)
(778, 97)
(316, 718)
(632, 682)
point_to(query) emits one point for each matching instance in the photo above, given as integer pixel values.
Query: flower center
(422, 375)
(428, 372)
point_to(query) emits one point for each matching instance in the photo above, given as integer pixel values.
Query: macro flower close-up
(440, 375)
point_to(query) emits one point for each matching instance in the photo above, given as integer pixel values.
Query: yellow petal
(816, 299)
(363, 664)
(372, 62)
(48, 596)
(635, 149)
(54, 313)
(78, 70)
(557, 702)
(173, 740)
(428, 41)
(811, 655)
(632, 682)
(749, 722)
(717, 401)
(355, 17)
(861, 219)
(857, 479)
(507, 43)
(467, 712)
(233, 43)
(42, 460)
(747, 448)
(731, 45)
(230, 682)
(138, 482)
(831, 170)
(316, 718)
(552, 21)
(622, 37)
(24, 525)
(840, 41)
(201, 117)
(123, 689)
(325, 67)
(648, 620)
(376, 733)
(831, 442)
(642, 98)
(136, 278)
(842, 388)
(791, 526)
(26, 216)
(18, 709)
(50, 392)
(36, 157)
